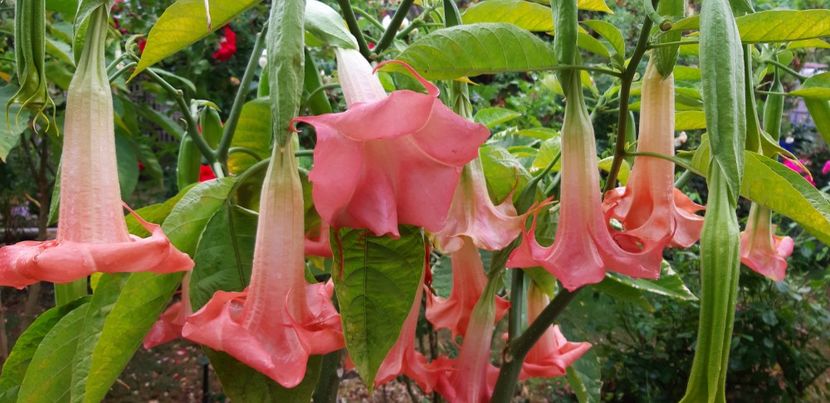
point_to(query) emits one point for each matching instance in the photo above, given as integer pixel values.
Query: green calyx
(666, 56)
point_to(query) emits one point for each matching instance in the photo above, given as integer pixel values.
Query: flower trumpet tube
(761, 250)
(404, 359)
(583, 247)
(468, 282)
(389, 159)
(552, 354)
(471, 377)
(652, 211)
(473, 216)
(279, 320)
(92, 233)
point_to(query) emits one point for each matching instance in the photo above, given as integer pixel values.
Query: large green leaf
(816, 87)
(375, 279)
(670, 284)
(243, 384)
(14, 369)
(523, 14)
(253, 134)
(820, 112)
(532, 16)
(188, 219)
(792, 196)
(17, 121)
(224, 255)
(773, 25)
(184, 23)
(470, 50)
(326, 25)
(122, 311)
(689, 120)
(49, 375)
(612, 34)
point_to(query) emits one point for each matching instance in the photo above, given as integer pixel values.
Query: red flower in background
(227, 46)
(205, 173)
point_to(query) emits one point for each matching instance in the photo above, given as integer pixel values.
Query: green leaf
(154, 213)
(820, 112)
(471, 50)
(773, 25)
(793, 197)
(14, 369)
(539, 133)
(493, 116)
(122, 310)
(689, 120)
(670, 284)
(585, 378)
(44, 380)
(816, 87)
(503, 173)
(218, 267)
(549, 149)
(188, 219)
(12, 121)
(612, 34)
(686, 73)
(523, 14)
(814, 43)
(326, 25)
(253, 133)
(376, 279)
(125, 151)
(184, 23)
(532, 16)
(243, 384)
(625, 169)
(592, 45)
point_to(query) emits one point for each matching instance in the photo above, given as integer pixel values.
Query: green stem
(245, 150)
(684, 179)
(660, 21)
(786, 68)
(178, 96)
(239, 100)
(121, 71)
(517, 288)
(674, 43)
(680, 162)
(369, 17)
(516, 350)
(329, 381)
(392, 29)
(351, 22)
(625, 93)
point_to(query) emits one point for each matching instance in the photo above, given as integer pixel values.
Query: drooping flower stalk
(92, 233)
(552, 354)
(279, 320)
(473, 215)
(468, 282)
(389, 159)
(762, 250)
(583, 248)
(403, 359)
(654, 213)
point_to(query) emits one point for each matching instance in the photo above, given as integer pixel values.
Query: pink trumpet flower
(279, 320)
(471, 377)
(652, 211)
(552, 354)
(92, 233)
(761, 250)
(389, 159)
(468, 282)
(404, 359)
(472, 215)
(169, 326)
(583, 247)
(318, 244)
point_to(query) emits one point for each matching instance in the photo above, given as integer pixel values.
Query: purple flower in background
(826, 168)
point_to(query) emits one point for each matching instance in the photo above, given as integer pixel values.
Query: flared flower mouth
(279, 320)
(761, 250)
(653, 213)
(468, 282)
(389, 159)
(583, 247)
(473, 215)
